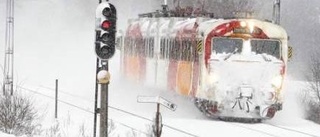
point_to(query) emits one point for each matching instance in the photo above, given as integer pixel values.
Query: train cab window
(226, 45)
(269, 47)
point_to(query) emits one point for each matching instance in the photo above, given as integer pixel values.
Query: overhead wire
(123, 111)
(126, 112)
(64, 92)
(75, 106)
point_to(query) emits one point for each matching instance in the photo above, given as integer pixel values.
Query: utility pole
(9, 44)
(56, 101)
(276, 12)
(106, 17)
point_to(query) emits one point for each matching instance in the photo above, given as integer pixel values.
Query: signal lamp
(277, 82)
(106, 12)
(105, 38)
(106, 25)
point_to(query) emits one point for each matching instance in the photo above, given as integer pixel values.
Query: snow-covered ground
(75, 112)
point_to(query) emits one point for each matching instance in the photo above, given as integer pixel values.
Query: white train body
(232, 68)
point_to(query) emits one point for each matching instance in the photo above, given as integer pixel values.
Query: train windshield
(268, 47)
(227, 45)
(250, 49)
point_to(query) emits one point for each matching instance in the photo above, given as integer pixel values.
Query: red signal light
(106, 25)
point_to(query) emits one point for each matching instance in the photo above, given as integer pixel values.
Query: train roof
(170, 27)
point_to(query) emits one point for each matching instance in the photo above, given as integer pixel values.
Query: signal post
(105, 31)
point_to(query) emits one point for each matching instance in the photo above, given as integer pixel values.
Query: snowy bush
(18, 115)
(66, 128)
(312, 94)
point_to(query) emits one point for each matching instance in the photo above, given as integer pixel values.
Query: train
(230, 68)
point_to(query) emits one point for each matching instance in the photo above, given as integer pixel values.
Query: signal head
(106, 21)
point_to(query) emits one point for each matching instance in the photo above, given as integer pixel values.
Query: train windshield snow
(269, 50)
(269, 47)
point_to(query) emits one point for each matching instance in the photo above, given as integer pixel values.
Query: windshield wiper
(265, 58)
(230, 54)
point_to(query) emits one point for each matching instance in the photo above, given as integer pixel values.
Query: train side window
(177, 49)
(188, 53)
(183, 50)
(188, 46)
(130, 46)
(134, 47)
(167, 48)
(125, 47)
(147, 46)
(140, 47)
(151, 47)
(162, 44)
(144, 47)
(191, 50)
(195, 50)
(171, 49)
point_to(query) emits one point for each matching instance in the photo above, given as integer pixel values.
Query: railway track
(274, 130)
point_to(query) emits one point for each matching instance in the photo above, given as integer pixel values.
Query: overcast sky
(54, 38)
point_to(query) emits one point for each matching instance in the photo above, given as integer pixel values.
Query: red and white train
(230, 67)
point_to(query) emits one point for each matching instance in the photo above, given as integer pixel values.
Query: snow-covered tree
(312, 94)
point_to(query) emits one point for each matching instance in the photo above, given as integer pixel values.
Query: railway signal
(106, 20)
(105, 31)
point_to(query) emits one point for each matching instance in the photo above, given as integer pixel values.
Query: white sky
(54, 39)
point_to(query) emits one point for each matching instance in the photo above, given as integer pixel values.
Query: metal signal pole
(104, 104)
(9, 43)
(96, 111)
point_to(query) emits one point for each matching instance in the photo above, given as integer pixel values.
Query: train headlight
(251, 26)
(213, 78)
(243, 24)
(277, 82)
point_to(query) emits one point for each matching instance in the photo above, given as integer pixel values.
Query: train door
(185, 66)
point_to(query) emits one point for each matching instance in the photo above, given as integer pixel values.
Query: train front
(244, 65)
